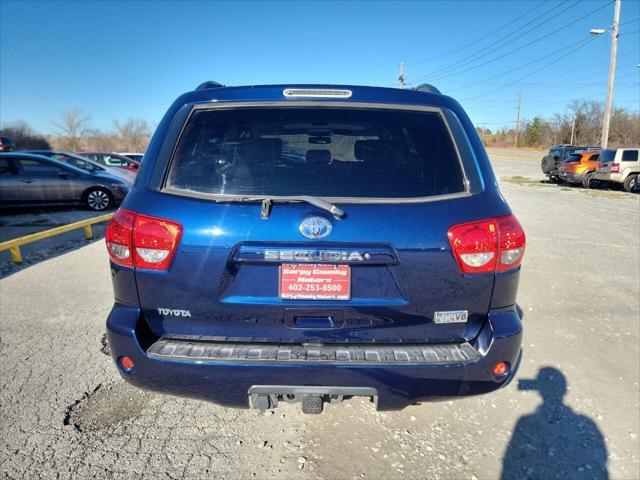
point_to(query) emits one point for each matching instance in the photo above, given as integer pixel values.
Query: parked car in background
(84, 163)
(6, 144)
(133, 156)
(313, 243)
(27, 179)
(578, 168)
(112, 160)
(551, 162)
(620, 165)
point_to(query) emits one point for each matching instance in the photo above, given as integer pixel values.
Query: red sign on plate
(315, 282)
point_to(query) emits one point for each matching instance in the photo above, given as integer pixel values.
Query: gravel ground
(66, 413)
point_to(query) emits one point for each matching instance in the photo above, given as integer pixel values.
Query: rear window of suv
(325, 152)
(574, 157)
(607, 156)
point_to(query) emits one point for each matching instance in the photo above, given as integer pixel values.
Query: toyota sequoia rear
(310, 244)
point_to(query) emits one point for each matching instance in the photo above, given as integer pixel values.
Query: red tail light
(615, 168)
(118, 237)
(140, 241)
(512, 243)
(487, 246)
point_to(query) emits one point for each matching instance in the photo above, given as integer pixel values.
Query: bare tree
(72, 128)
(624, 131)
(133, 134)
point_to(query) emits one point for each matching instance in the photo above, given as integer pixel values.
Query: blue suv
(313, 243)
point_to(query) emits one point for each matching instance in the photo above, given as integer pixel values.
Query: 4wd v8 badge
(453, 316)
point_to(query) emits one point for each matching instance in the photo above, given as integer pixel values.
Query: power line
(572, 87)
(474, 42)
(535, 71)
(546, 56)
(583, 72)
(483, 52)
(438, 77)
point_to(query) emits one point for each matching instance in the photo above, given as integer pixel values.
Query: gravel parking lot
(65, 412)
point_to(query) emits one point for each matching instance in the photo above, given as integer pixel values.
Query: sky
(116, 60)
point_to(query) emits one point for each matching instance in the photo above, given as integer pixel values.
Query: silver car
(28, 179)
(84, 163)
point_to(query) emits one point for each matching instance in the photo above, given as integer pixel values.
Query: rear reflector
(488, 246)
(126, 364)
(141, 241)
(501, 370)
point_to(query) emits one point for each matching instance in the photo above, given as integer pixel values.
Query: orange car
(579, 167)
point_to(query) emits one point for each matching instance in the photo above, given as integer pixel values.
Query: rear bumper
(571, 177)
(609, 177)
(397, 383)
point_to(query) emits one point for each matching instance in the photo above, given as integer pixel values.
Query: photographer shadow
(554, 441)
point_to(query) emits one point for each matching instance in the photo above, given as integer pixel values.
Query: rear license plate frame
(327, 286)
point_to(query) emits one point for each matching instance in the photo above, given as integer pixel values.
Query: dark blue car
(314, 243)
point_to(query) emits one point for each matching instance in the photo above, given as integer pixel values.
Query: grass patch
(527, 182)
(599, 193)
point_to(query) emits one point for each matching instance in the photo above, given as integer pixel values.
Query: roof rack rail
(427, 88)
(209, 84)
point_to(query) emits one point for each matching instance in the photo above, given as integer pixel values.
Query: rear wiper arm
(265, 211)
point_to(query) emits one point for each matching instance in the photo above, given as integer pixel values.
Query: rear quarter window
(38, 169)
(630, 156)
(324, 152)
(5, 166)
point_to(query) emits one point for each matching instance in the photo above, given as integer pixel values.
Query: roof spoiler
(209, 84)
(427, 88)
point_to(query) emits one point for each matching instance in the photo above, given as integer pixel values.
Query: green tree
(534, 131)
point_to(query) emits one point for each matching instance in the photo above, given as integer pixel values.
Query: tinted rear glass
(630, 156)
(38, 168)
(325, 152)
(574, 157)
(5, 166)
(607, 155)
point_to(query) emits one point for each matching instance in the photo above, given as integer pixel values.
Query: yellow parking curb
(14, 245)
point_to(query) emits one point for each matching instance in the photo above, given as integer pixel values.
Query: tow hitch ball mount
(312, 399)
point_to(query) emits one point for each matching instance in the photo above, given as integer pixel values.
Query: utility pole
(612, 74)
(518, 117)
(401, 76)
(573, 128)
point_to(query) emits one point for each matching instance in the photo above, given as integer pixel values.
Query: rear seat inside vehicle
(386, 164)
(382, 168)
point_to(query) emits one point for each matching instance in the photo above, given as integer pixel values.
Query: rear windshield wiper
(267, 203)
